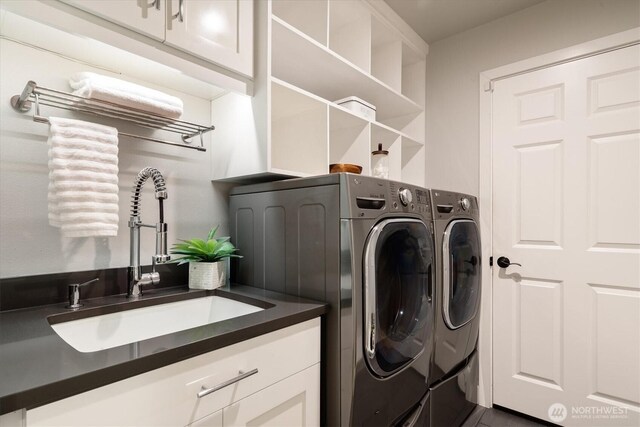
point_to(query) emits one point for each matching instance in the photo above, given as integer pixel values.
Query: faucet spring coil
(158, 182)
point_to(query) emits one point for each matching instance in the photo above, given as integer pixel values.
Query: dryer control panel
(407, 198)
(371, 197)
(447, 204)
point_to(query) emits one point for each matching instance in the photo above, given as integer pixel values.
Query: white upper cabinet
(144, 16)
(218, 31)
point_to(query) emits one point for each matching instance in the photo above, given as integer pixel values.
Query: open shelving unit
(299, 132)
(314, 54)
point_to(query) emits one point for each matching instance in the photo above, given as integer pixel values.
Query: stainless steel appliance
(364, 245)
(454, 374)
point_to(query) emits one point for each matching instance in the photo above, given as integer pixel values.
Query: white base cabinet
(285, 391)
(290, 402)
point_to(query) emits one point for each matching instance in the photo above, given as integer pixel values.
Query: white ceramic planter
(206, 275)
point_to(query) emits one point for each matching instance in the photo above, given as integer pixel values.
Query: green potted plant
(206, 271)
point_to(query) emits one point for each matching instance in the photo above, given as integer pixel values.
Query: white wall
(28, 245)
(454, 64)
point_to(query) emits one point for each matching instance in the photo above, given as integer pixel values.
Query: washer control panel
(465, 204)
(405, 196)
(371, 197)
(409, 199)
(448, 204)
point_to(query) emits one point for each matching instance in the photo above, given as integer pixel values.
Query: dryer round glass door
(460, 272)
(398, 286)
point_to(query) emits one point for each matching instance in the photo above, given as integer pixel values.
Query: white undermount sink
(126, 327)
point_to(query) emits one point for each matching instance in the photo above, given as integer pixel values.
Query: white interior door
(566, 203)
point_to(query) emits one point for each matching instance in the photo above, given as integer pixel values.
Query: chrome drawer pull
(205, 391)
(180, 13)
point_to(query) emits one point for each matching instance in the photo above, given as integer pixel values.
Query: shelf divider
(303, 62)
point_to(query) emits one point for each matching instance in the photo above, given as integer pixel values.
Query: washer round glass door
(460, 272)
(398, 283)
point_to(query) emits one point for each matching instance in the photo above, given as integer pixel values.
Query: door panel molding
(591, 48)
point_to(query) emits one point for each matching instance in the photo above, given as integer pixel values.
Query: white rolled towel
(83, 178)
(80, 175)
(81, 164)
(127, 94)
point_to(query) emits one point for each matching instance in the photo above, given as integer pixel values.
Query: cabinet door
(144, 16)
(294, 401)
(219, 31)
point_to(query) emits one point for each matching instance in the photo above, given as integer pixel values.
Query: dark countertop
(37, 367)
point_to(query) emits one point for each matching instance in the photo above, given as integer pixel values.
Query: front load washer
(454, 374)
(366, 246)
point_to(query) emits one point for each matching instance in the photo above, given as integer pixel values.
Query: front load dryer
(454, 373)
(364, 245)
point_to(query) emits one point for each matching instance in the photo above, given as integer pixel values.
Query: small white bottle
(380, 167)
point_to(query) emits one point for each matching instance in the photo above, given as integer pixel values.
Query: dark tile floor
(498, 417)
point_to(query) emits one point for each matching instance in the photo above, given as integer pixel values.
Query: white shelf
(298, 132)
(348, 139)
(309, 17)
(411, 126)
(350, 32)
(412, 163)
(386, 55)
(415, 141)
(303, 62)
(396, 132)
(337, 133)
(414, 69)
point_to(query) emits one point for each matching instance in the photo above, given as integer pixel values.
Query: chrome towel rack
(33, 96)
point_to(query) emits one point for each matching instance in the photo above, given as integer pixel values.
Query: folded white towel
(63, 197)
(86, 153)
(104, 88)
(96, 187)
(80, 175)
(91, 229)
(85, 165)
(88, 206)
(84, 142)
(83, 178)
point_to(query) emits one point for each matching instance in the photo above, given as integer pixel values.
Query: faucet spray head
(161, 255)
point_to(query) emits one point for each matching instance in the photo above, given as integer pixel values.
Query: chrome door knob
(465, 204)
(405, 196)
(503, 262)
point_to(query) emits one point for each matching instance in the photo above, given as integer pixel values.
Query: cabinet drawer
(168, 396)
